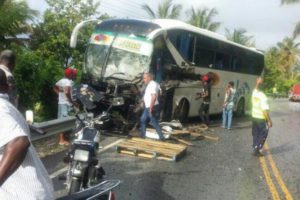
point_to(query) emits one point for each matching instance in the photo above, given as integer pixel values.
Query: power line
(124, 11)
(120, 11)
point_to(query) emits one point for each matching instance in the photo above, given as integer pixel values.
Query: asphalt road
(212, 170)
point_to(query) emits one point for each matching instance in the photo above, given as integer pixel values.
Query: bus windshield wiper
(120, 78)
(112, 75)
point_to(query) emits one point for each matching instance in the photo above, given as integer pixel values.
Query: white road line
(58, 172)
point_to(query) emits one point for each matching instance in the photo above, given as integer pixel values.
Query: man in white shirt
(7, 64)
(151, 108)
(22, 174)
(63, 88)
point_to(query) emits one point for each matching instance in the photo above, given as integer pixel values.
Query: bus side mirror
(74, 35)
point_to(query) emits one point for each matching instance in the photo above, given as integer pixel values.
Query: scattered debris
(173, 123)
(183, 135)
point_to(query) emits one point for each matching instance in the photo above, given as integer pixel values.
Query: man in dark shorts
(261, 121)
(205, 94)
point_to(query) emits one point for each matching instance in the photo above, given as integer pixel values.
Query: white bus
(121, 50)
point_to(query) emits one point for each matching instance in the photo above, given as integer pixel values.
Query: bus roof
(150, 27)
(176, 24)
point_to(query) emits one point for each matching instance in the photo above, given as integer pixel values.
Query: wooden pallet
(151, 149)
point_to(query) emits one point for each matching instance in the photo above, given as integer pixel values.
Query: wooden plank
(152, 145)
(205, 136)
(149, 155)
(151, 149)
(174, 131)
(157, 143)
(148, 148)
(182, 141)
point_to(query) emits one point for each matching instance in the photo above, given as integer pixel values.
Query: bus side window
(235, 63)
(204, 53)
(222, 61)
(218, 61)
(183, 41)
(161, 58)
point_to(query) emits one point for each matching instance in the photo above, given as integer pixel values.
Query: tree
(39, 68)
(202, 18)
(51, 37)
(282, 65)
(14, 17)
(34, 77)
(239, 36)
(289, 53)
(296, 32)
(289, 1)
(165, 10)
(272, 72)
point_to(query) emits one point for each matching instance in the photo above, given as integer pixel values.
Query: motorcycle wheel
(74, 186)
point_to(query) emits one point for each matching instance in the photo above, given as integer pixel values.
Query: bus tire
(240, 109)
(182, 110)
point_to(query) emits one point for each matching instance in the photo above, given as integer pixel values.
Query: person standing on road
(22, 174)
(151, 106)
(274, 91)
(205, 94)
(64, 90)
(7, 64)
(228, 105)
(261, 121)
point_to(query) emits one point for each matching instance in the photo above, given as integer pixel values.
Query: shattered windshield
(126, 63)
(117, 56)
(95, 59)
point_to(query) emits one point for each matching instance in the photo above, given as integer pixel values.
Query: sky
(267, 21)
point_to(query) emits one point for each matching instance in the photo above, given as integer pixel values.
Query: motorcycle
(85, 171)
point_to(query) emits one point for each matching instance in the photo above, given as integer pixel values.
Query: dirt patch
(48, 146)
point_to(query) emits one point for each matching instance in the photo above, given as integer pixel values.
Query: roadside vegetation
(42, 45)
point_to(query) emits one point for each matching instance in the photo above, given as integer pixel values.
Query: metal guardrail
(53, 127)
(279, 95)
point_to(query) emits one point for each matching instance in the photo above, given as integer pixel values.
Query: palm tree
(297, 28)
(289, 53)
(202, 18)
(239, 36)
(296, 32)
(14, 16)
(165, 10)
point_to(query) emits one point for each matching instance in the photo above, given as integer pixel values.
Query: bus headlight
(81, 155)
(118, 101)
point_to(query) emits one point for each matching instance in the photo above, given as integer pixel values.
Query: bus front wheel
(240, 109)
(181, 112)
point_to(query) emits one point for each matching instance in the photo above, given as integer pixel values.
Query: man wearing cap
(261, 121)
(205, 94)
(64, 90)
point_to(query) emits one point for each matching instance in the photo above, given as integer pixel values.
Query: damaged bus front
(116, 57)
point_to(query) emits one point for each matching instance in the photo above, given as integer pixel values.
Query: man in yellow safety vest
(261, 121)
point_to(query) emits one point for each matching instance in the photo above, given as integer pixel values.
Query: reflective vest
(259, 104)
